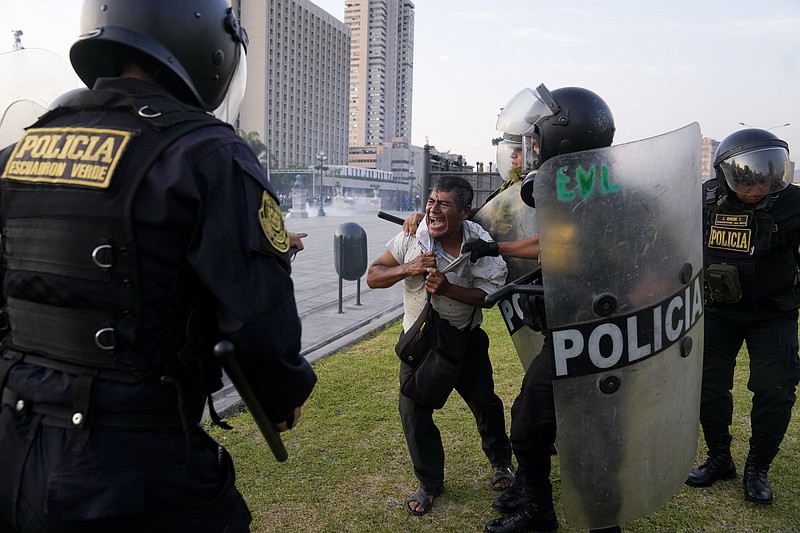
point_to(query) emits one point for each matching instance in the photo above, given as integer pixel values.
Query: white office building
(298, 65)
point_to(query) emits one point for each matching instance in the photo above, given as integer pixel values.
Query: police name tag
(84, 157)
(730, 232)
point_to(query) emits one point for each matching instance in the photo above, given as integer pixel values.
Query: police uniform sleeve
(240, 253)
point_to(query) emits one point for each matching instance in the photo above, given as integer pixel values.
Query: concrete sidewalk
(316, 290)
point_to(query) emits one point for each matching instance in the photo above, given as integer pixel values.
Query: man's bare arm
(437, 283)
(385, 271)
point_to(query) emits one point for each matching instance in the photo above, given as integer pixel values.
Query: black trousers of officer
(771, 338)
(476, 387)
(533, 432)
(57, 480)
(533, 421)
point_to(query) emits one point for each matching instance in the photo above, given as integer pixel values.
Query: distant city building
(708, 149)
(394, 156)
(483, 180)
(298, 65)
(342, 181)
(440, 161)
(381, 80)
(316, 84)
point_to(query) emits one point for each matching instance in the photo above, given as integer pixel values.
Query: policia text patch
(730, 232)
(68, 156)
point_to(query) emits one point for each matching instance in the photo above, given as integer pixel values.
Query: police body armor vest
(751, 241)
(71, 280)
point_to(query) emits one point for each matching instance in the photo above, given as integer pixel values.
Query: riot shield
(31, 79)
(507, 218)
(622, 261)
(15, 118)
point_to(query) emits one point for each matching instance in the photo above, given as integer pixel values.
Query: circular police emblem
(269, 216)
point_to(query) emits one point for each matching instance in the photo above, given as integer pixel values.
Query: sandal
(502, 478)
(425, 499)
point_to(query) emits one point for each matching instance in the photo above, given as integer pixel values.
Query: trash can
(350, 251)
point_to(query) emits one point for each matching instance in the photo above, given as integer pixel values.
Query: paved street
(325, 329)
(317, 284)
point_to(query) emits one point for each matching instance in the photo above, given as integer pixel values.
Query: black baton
(391, 218)
(223, 350)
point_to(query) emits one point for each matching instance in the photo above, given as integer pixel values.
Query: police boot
(511, 499)
(536, 514)
(718, 466)
(755, 481)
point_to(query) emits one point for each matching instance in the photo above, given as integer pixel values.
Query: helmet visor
(525, 110)
(228, 110)
(757, 172)
(509, 159)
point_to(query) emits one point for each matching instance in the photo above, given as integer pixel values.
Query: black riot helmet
(194, 48)
(566, 120)
(752, 162)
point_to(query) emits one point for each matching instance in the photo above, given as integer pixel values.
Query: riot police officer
(138, 230)
(509, 162)
(751, 231)
(584, 121)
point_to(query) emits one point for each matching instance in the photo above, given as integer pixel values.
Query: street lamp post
(411, 189)
(772, 128)
(321, 158)
(17, 40)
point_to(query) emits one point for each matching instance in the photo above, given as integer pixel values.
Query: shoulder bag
(436, 351)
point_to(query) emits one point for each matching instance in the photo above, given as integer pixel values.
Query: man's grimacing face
(443, 215)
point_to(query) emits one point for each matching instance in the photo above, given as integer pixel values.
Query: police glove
(480, 248)
(533, 312)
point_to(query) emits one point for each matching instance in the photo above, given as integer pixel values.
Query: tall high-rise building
(297, 81)
(381, 76)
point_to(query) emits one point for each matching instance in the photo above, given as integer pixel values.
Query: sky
(660, 65)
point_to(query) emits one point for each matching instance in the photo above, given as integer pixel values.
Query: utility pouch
(723, 283)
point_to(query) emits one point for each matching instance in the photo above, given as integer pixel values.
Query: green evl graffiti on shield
(585, 183)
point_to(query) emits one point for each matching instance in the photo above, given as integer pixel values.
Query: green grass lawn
(349, 471)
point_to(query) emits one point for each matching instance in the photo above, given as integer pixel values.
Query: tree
(257, 145)
(283, 180)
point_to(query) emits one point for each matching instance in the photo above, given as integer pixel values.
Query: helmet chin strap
(228, 110)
